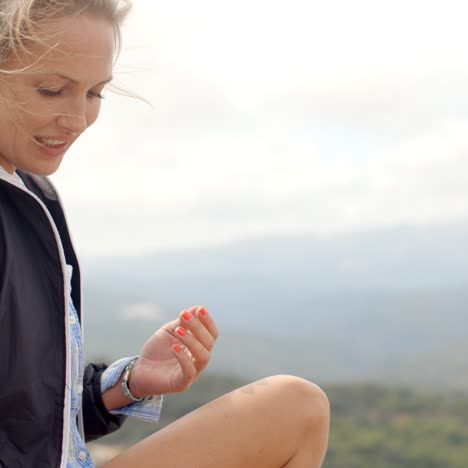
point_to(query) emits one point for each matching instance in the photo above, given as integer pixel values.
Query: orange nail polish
(177, 348)
(187, 315)
(203, 312)
(181, 331)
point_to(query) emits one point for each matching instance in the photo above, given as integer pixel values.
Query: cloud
(218, 197)
(269, 119)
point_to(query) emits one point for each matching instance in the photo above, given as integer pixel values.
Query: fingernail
(187, 315)
(181, 331)
(177, 348)
(203, 312)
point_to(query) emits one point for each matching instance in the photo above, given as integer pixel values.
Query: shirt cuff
(148, 410)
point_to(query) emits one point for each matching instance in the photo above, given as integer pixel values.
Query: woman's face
(46, 107)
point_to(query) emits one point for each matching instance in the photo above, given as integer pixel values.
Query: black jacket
(33, 349)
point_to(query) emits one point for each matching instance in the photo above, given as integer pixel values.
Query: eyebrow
(72, 80)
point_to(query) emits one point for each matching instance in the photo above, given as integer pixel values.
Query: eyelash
(95, 95)
(52, 93)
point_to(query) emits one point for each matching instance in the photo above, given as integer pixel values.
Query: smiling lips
(50, 142)
(52, 147)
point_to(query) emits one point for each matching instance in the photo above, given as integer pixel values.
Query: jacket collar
(12, 178)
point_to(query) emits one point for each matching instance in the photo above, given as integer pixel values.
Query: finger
(186, 364)
(206, 319)
(193, 309)
(172, 325)
(197, 328)
(199, 353)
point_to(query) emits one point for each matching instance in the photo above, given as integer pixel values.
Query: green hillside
(393, 427)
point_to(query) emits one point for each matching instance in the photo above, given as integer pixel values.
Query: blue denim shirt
(148, 410)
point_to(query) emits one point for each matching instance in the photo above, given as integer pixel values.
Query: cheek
(33, 113)
(92, 112)
(12, 119)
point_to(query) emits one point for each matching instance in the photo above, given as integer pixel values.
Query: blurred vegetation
(381, 427)
(372, 426)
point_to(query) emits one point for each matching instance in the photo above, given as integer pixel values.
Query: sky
(274, 118)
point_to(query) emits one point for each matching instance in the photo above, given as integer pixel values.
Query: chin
(41, 169)
(46, 172)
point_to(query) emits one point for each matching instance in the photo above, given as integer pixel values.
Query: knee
(305, 400)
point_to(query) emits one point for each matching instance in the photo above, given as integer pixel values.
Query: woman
(56, 57)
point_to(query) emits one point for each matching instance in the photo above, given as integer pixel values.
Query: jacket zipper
(80, 414)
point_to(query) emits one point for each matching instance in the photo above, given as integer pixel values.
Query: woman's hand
(175, 356)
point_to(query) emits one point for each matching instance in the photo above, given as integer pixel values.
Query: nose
(74, 120)
(72, 123)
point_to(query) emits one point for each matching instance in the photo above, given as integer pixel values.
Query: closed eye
(58, 92)
(50, 92)
(95, 94)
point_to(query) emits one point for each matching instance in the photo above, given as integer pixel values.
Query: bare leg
(280, 421)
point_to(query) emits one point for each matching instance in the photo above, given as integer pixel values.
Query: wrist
(114, 397)
(127, 389)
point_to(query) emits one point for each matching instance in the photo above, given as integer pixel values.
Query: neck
(7, 167)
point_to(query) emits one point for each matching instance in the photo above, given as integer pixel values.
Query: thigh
(258, 425)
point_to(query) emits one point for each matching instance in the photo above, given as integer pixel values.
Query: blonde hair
(20, 20)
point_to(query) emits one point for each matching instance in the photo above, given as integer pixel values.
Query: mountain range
(387, 305)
